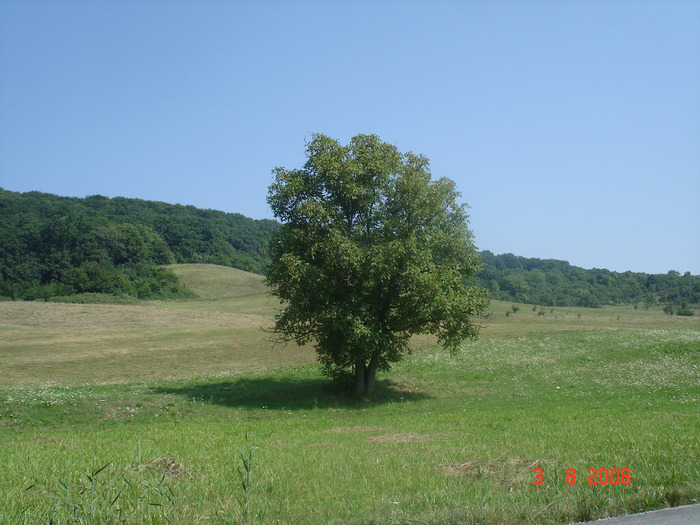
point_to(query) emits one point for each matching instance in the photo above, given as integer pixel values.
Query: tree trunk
(360, 370)
(370, 373)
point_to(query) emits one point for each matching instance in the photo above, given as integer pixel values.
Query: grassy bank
(446, 439)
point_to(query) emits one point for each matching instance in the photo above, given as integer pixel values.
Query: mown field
(155, 412)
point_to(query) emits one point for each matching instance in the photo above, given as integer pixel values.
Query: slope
(220, 332)
(211, 282)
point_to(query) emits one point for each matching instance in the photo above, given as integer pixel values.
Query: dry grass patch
(81, 317)
(511, 471)
(400, 438)
(64, 344)
(168, 467)
(124, 356)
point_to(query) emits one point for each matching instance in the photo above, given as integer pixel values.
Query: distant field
(164, 394)
(214, 283)
(73, 344)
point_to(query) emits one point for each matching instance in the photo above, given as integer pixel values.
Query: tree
(371, 251)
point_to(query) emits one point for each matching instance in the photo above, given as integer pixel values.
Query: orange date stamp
(596, 476)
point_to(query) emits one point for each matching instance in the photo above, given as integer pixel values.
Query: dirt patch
(399, 438)
(470, 469)
(168, 467)
(507, 471)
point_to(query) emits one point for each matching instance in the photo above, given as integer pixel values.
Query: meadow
(184, 412)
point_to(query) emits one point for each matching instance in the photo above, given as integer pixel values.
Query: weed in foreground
(108, 494)
(245, 473)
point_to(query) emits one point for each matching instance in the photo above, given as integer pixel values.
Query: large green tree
(371, 251)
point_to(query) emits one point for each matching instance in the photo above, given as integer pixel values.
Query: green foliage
(245, 474)
(684, 310)
(556, 283)
(371, 251)
(92, 298)
(134, 494)
(55, 246)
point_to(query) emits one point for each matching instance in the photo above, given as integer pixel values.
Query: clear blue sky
(572, 128)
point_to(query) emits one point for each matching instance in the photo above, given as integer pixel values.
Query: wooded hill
(62, 246)
(551, 282)
(59, 246)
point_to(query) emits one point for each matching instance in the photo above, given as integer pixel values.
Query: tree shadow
(290, 393)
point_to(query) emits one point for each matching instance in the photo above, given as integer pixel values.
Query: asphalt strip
(685, 515)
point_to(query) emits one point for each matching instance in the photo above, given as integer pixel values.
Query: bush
(684, 310)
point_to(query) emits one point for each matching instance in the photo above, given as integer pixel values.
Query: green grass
(214, 283)
(445, 439)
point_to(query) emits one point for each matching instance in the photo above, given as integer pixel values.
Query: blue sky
(572, 128)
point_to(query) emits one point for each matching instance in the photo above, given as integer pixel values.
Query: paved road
(686, 515)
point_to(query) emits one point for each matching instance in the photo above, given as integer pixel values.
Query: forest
(54, 246)
(69, 247)
(549, 282)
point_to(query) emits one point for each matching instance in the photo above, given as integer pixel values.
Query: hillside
(219, 330)
(549, 282)
(95, 246)
(210, 282)
(63, 246)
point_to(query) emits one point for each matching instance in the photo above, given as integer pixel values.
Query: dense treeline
(557, 283)
(62, 246)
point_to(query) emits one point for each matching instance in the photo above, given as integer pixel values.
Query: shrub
(684, 310)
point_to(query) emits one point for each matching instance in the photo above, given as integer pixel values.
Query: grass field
(155, 413)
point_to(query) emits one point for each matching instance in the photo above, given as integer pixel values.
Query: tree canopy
(371, 251)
